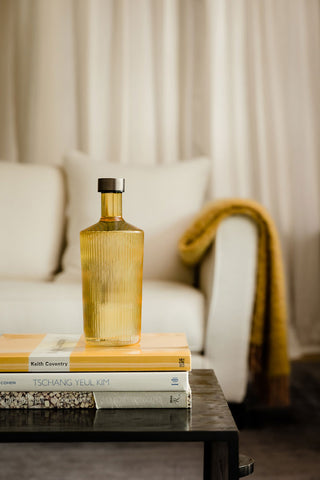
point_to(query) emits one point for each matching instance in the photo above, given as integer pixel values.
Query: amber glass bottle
(111, 263)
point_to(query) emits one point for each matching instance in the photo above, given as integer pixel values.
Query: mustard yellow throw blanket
(268, 358)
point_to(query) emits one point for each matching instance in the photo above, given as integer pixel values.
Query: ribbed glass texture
(112, 263)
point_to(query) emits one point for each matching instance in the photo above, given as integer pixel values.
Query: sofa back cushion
(32, 203)
(159, 199)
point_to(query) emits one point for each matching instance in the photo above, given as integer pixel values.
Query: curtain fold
(157, 81)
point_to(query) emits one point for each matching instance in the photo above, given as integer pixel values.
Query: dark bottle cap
(115, 185)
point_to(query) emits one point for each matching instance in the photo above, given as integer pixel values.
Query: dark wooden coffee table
(209, 421)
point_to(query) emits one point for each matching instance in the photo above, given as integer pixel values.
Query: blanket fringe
(278, 391)
(272, 391)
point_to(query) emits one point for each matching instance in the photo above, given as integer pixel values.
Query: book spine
(142, 399)
(69, 353)
(123, 364)
(98, 400)
(94, 381)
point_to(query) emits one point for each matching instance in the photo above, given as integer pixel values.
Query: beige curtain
(151, 81)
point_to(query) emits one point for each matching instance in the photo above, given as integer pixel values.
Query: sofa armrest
(228, 278)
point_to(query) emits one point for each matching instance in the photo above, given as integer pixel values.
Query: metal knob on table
(246, 465)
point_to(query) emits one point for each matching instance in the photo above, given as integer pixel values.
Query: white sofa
(42, 210)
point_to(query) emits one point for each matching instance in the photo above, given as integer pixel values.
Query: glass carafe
(111, 264)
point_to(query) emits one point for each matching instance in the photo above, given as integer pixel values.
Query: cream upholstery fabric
(174, 307)
(44, 307)
(227, 278)
(161, 200)
(56, 307)
(32, 203)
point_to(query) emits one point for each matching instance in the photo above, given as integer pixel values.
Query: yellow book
(70, 353)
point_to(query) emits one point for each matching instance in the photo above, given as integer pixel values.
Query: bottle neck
(111, 206)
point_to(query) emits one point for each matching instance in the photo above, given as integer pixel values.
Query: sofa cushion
(32, 203)
(161, 200)
(174, 307)
(40, 307)
(56, 307)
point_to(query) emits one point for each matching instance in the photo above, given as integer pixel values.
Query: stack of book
(62, 371)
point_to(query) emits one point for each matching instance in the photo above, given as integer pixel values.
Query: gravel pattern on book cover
(47, 400)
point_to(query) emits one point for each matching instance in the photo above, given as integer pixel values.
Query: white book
(94, 381)
(143, 399)
(98, 400)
